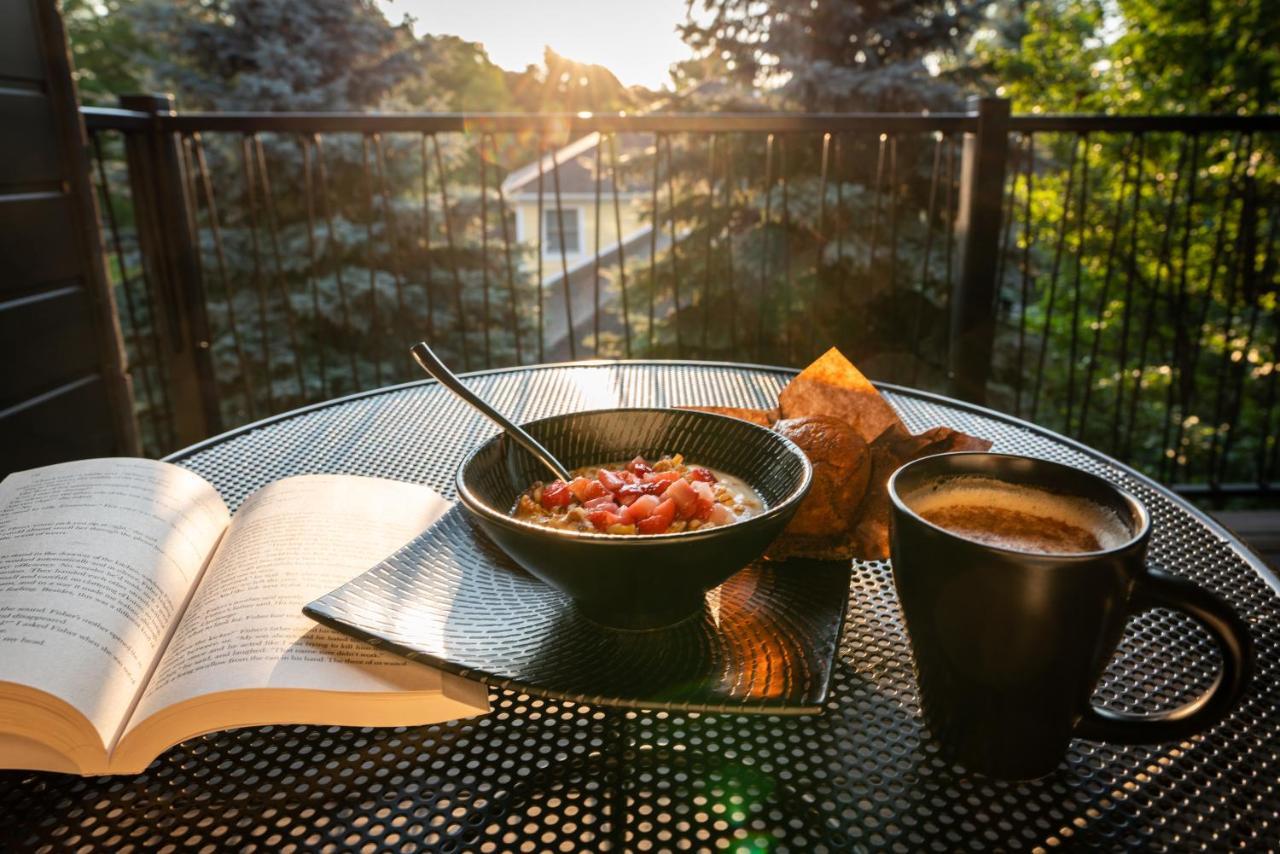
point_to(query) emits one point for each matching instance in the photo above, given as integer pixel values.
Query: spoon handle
(433, 366)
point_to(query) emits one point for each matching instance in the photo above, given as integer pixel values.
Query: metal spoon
(433, 366)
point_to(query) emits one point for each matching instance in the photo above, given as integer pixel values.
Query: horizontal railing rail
(108, 118)
(98, 118)
(1111, 276)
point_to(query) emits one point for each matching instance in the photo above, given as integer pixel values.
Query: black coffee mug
(1009, 645)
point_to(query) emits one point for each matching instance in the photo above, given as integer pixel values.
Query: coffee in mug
(1018, 516)
(1016, 577)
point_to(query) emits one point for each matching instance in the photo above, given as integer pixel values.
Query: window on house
(551, 229)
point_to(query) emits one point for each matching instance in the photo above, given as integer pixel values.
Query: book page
(291, 541)
(97, 559)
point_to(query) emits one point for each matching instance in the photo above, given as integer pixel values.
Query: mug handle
(1161, 590)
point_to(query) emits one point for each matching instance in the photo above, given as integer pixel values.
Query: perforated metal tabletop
(537, 775)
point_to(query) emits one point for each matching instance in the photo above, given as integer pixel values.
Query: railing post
(973, 304)
(167, 241)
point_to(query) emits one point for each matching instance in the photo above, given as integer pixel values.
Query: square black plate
(764, 641)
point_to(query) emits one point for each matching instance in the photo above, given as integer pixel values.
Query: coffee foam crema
(978, 497)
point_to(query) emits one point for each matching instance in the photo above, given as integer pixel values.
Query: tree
(108, 55)
(564, 86)
(892, 56)
(278, 54)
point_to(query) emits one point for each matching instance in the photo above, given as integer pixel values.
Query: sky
(637, 41)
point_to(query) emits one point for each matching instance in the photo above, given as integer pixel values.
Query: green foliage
(840, 56)
(108, 54)
(276, 54)
(1135, 56)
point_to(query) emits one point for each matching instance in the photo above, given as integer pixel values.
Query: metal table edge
(1239, 547)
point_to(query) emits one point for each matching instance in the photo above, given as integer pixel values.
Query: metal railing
(1112, 277)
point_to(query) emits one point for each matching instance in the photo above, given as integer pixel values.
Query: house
(587, 230)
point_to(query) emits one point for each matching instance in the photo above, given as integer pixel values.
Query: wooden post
(167, 239)
(973, 305)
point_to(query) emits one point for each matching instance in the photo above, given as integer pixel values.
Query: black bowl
(641, 581)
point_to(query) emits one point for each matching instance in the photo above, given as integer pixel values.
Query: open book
(136, 612)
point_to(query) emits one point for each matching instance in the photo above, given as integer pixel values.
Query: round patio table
(542, 775)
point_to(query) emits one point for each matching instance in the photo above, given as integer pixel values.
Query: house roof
(576, 165)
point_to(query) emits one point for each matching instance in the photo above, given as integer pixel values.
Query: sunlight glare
(636, 41)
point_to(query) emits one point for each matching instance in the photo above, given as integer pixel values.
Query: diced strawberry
(686, 500)
(610, 480)
(602, 519)
(721, 515)
(578, 486)
(556, 494)
(603, 502)
(629, 477)
(639, 466)
(640, 508)
(704, 475)
(661, 476)
(633, 490)
(659, 520)
(706, 499)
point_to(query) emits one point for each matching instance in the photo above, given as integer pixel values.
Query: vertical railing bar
(1235, 273)
(1006, 219)
(927, 255)
(786, 251)
(506, 248)
(392, 229)
(429, 273)
(312, 285)
(264, 341)
(1269, 462)
(375, 317)
(187, 146)
(823, 170)
(675, 262)
(447, 218)
(228, 289)
(893, 213)
(1053, 281)
(1082, 229)
(1189, 389)
(126, 286)
(766, 215)
(484, 251)
(707, 226)
(622, 258)
(841, 174)
(1153, 297)
(653, 240)
(595, 264)
(1103, 295)
(1131, 276)
(1028, 237)
(334, 248)
(273, 231)
(824, 237)
(1270, 268)
(728, 246)
(1177, 314)
(1254, 297)
(950, 209)
(542, 297)
(877, 192)
(193, 218)
(1225, 426)
(564, 258)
